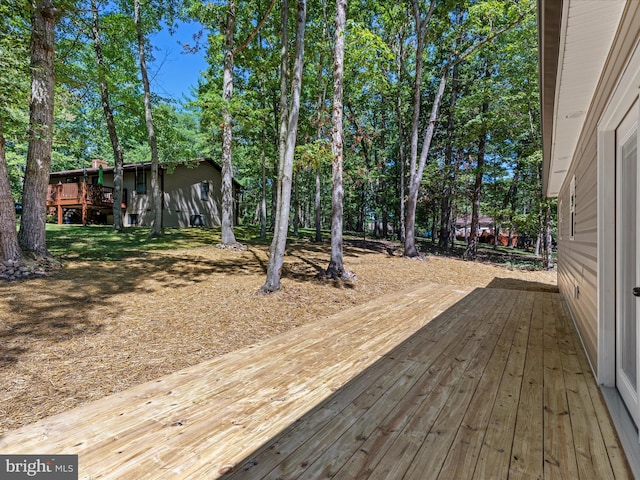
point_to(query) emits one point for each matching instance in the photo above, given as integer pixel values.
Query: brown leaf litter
(96, 328)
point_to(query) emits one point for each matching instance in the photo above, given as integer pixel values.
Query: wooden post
(83, 200)
(58, 200)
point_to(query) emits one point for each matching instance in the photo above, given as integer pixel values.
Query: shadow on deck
(438, 382)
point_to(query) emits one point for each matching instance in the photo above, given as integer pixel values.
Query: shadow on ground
(516, 284)
(68, 304)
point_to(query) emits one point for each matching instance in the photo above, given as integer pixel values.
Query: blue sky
(174, 73)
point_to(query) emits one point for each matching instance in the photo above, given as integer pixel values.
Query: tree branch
(255, 30)
(490, 38)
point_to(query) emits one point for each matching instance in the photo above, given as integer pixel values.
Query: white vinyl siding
(578, 258)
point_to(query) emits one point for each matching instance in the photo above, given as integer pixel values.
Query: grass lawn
(96, 242)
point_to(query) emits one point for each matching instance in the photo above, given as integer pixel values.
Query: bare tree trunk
(336, 263)
(452, 226)
(381, 182)
(228, 236)
(296, 203)
(449, 170)
(263, 192)
(279, 243)
(32, 235)
(118, 154)
(472, 247)
(402, 162)
(284, 106)
(322, 95)
(417, 168)
(401, 139)
(417, 171)
(9, 248)
(276, 161)
(318, 205)
(156, 194)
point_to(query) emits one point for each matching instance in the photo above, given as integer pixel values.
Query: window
(133, 219)
(141, 182)
(204, 190)
(572, 208)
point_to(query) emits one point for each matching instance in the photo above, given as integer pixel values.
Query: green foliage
(313, 154)
(14, 89)
(379, 68)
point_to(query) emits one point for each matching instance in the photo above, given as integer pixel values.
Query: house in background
(590, 86)
(192, 194)
(486, 227)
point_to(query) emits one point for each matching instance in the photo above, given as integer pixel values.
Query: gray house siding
(191, 193)
(183, 197)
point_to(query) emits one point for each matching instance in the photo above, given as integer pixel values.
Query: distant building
(486, 226)
(191, 194)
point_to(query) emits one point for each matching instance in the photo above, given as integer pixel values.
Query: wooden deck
(437, 383)
(82, 196)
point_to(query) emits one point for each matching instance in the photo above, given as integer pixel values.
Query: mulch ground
(96, 328)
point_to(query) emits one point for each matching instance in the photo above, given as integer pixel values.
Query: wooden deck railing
(81, 195)
(77, 192)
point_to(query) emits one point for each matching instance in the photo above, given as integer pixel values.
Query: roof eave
(549, 27)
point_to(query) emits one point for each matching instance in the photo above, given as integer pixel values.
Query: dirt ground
(96, 328)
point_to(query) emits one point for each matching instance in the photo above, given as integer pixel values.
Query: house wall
(182, 197)
(578, 257)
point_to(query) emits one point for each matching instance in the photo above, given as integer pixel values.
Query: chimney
(96, 162)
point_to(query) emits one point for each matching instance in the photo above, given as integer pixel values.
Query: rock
(236, 247)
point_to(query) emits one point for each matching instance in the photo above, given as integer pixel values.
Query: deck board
(559, 452)
(437, 382)
(527, 459)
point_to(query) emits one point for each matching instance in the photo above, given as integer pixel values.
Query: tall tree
(9, 248)
(230, 51)
(228, 236)
(336, 263)
(118, 153)
(449, 169)
(14, 76)
(472, 245)
(320, 128)
(156, 194)
(416, 167)
(486, 35)
(278, 245)
(32, 235)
